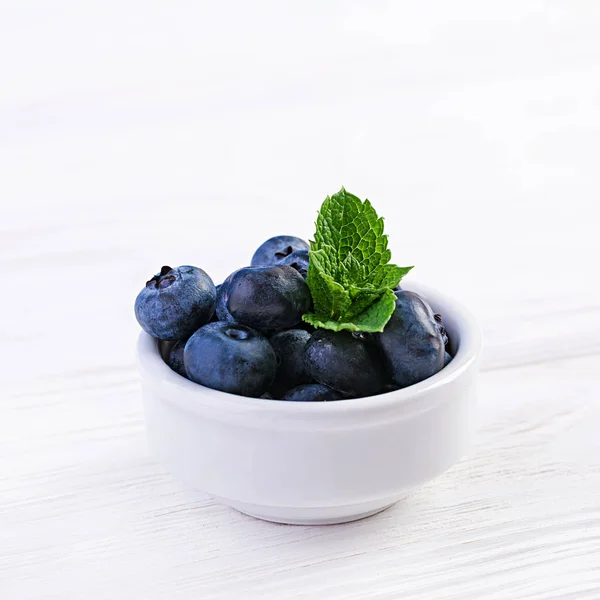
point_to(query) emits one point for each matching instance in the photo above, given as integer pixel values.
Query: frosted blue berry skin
(345, 362)
(312, 392)
(411, 345)
(447, 358)
(298, 260)
(230, 358)
(175, 360)
(176, 302)
(277, 248)
(269, 299)
(289, 346)
(221, 310)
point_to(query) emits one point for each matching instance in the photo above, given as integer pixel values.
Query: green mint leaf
(389, 276)
(330, 299)
(373, 319)
(349, 273)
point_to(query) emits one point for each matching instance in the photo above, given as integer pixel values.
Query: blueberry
(289, 347)
(269, 299)
(412, 345)
(297, 260)
(221, 305)
(176, 358)
(345, 363)
(164, 347)
(441, 328)
(175, 302)
(277, 248)
(221, 309)
(231, 358)
(447, 358)
(312, 392)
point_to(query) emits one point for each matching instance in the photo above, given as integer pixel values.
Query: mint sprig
(349, 275)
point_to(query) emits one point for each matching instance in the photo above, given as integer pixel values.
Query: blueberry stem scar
(284, 253)
(237, 334)
(157, 279)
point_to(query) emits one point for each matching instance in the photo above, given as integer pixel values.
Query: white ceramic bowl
(314, 463)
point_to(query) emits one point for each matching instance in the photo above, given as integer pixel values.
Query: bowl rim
(190, 394)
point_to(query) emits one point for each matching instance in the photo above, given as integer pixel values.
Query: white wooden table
(133, 136)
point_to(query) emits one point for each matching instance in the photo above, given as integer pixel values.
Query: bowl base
(310, 516)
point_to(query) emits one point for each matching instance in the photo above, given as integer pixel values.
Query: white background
(137, 134)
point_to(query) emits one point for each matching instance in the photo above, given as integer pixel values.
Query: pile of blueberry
(246, 336)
